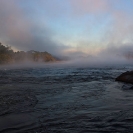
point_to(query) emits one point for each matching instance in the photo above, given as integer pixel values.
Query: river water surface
(65, 100)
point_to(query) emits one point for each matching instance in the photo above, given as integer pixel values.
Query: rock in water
(126, 77)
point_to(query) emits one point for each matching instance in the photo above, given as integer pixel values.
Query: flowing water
(65, 100)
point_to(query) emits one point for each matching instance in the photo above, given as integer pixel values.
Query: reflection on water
(64, 100)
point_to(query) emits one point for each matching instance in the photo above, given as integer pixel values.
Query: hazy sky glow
(67, 26)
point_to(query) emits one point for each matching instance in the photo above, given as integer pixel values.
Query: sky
(76, 28)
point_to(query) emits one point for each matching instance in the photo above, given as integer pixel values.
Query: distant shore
(8, 56)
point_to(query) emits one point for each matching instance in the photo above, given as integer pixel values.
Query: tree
(6, 54)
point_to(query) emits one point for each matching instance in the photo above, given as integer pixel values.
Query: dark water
(65, 100)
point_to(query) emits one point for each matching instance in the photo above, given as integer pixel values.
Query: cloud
(121, 30)
(114, 17)
(23, 33)
(13, 24)
(108, 27)
(114, 50)
(90, 6)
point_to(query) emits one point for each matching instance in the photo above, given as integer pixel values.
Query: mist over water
(106, 58)
(89, 61)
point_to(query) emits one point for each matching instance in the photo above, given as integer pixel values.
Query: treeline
(7, 55)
